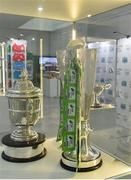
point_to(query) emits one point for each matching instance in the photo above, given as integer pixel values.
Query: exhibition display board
(116, 127)
(123, 99)
(106, 68)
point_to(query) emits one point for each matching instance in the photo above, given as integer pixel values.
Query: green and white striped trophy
(77, 75)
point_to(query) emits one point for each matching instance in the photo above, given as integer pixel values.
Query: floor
(48, 167)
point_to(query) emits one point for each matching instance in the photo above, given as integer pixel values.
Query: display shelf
(49, 167)
(104, 106)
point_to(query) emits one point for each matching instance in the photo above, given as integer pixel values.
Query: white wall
(5, 34)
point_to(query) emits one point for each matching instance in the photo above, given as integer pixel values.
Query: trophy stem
(24, 133)
(96, 103)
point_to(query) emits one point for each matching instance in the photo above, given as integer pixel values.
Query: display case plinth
(24, 151)
(83, 166)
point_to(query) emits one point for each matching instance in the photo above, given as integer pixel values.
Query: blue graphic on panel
(103, 60)
(123, 106)
(18, 65)
(109, 81)
(124, 83)
(124, 59)
(8, 57)
(102, 80)
(111, 49)
(110, 92)
(17, 74)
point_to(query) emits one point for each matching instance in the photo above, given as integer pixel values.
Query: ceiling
(12, 21)
(40, 24)
(101, 25)
(69, 10)
(105, 24)
(9, 21)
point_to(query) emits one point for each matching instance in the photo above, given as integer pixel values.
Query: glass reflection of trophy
(24, 144)
(77, 65)
(98, 89)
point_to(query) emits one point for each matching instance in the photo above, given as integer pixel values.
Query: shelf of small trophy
(103, 106)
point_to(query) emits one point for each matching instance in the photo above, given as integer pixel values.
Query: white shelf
(49, 167)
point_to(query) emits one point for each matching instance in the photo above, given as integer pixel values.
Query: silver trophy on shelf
(98, 89)
(24, 144)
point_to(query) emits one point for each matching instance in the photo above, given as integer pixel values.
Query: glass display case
(111, 122)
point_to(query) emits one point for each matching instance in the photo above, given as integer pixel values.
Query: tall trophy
(77, 75)
(24, 144)
(98, 89)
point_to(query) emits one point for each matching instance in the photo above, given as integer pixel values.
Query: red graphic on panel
(18, 47)
(18, 57)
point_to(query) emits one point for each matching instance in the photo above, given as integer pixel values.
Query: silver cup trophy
(24, 144)
(98, 89)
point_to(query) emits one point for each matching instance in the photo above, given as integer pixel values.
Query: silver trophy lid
(23, 87)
